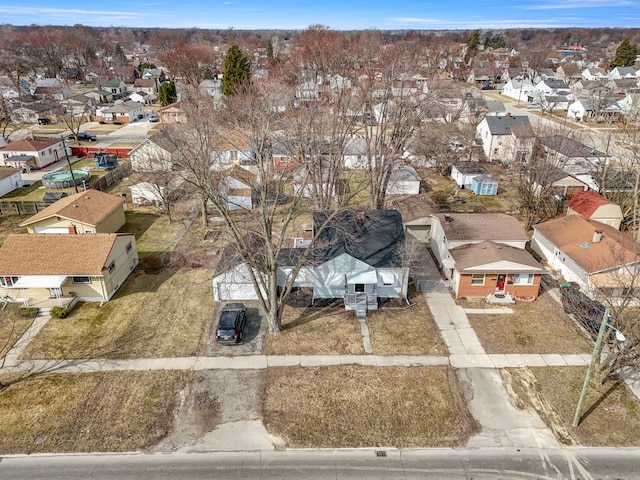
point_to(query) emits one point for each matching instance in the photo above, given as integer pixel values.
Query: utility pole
(592, 365)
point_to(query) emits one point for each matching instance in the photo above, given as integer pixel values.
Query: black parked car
(231, 325)
(44, 121)
(90, 137)
(587, 311)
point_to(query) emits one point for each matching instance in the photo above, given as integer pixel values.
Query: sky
(335, 14)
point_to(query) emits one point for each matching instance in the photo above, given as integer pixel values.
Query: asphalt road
(440, 464)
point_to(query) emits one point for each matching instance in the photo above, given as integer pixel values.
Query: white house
(622, 72)
(594, 73)
(32, 152)
(506, 138)
(153, 154)
(521, 90)
(596, 256)
(10, 180)
(125, 112)
(236, 188)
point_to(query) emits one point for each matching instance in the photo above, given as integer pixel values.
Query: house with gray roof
(506, 138)
(125, 112)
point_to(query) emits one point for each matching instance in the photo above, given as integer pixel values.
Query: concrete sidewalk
(258, 362)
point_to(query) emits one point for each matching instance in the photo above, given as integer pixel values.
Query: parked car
(154, 118)
(90, 137)
(230, 330)
(488, 87)
(44, 121)
(533, 105)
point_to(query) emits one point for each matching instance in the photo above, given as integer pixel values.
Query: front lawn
(161, 314)
(355, 406)
(537, 327)
(317, 331)
(12, 326)
(405, 330)
(611, 414)
(89, 412)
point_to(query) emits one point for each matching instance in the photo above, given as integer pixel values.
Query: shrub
(439, 197)
(59, 312)
(116, 122)
(28, 312)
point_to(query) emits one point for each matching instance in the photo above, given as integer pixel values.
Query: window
(81, 279)
(523, 279)
(112, 266)
(359, 288)
(8, 281)
(477, 279)
(129, 247)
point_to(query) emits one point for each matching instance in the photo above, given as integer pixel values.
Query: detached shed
(484, 185)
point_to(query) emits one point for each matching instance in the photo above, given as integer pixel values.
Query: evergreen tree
(237, 71)
(145, 65)
(472, 44)
(625, 54)
(167, 93)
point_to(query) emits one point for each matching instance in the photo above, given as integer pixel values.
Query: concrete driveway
(255, 332)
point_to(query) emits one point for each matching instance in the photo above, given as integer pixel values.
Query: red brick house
(495, 269)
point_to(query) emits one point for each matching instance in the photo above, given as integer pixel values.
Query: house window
(359, 288)
(129, 247)
(477, 279)
(112, 266)
(8, 281)
(81, 279)
(523, 279)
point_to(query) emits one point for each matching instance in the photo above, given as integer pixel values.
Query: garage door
(51, 229)
(419, 232)
(234, 291)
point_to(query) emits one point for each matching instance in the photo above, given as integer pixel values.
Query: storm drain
(381, 453)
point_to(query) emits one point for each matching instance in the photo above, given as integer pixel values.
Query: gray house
(357, 257)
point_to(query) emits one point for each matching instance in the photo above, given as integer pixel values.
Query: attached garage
(421, 233)
(234, 284)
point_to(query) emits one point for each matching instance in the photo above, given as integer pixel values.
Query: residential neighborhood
(319, 240)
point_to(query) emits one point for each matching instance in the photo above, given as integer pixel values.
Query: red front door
(500, 282)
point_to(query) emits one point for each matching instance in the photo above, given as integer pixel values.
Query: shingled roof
(475, 256)
(372, 236)
(57, 254)
(482, 226)
(89, 207)
(587, 202)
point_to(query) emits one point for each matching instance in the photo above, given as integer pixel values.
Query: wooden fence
(16, 207)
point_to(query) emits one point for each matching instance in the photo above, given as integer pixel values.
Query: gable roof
(573, 235)
(587, 202)
(569, 147)
(57, 254)
(8, 171)
(90, 207)
(30, 144)
(485, 253)
(372, 236)
(483, 226)
(242, 175)
(517, 125)
(414, 207)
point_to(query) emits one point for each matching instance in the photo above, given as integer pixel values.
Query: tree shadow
(615, 386)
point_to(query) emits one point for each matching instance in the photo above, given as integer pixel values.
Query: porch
(42, 303)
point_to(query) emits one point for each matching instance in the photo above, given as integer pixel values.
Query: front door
(500, 282)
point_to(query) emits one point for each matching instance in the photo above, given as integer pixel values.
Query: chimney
(597, 236)
(508, 114)
(72, 229)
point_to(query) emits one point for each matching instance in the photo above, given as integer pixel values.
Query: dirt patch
(611, 414)
(214, 397)
(353, 406)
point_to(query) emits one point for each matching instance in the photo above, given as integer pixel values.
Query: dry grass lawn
(152, 315)
(317, 331)
(12, 326)
(353, 406)
(405, 330)
(611, 414)
(96, 412)
(537, 327)
(155, 235)
(9, 225)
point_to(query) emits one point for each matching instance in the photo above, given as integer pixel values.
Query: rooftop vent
(597, 236)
